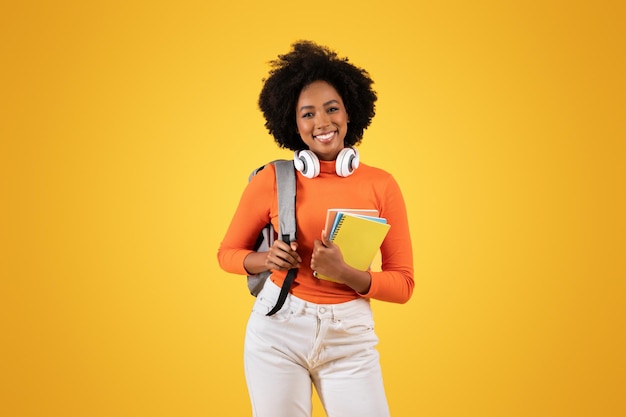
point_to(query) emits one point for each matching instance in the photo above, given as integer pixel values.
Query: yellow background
(128, 130)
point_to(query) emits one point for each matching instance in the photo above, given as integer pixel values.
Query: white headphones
(308, 164)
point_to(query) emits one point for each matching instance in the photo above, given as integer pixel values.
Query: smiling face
(322, 119)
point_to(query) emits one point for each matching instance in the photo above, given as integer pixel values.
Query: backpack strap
(286, 186)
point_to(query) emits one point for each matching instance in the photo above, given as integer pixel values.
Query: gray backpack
(286, 186)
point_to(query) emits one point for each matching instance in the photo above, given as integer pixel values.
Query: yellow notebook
(359, 238)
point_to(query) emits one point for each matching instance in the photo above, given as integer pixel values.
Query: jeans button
(322, 310)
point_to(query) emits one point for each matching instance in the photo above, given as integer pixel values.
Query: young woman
(318, 105)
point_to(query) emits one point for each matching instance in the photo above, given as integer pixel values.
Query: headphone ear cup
(307, 163)
(297, 162)
(347, 162)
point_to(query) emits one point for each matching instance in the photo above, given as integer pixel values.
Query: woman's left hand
(327, 258)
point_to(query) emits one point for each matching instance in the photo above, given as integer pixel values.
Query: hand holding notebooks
(359, 237)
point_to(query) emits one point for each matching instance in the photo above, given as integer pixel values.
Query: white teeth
(326, 136)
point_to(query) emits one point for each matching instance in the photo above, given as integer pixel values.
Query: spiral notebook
(359, 237)
(331, 216)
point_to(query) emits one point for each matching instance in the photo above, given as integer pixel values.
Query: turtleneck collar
(328, 167)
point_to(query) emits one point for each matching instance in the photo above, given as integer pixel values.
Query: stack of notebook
(358, 233)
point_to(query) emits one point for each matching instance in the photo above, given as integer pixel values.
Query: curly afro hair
(305, 63)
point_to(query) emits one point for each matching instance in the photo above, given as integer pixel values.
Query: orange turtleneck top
(366, 188)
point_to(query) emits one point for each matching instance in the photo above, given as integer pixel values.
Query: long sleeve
(251, 215)
(395, 282)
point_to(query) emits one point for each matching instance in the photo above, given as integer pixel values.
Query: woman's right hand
(283, 256)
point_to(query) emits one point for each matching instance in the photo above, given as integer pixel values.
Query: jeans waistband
(296, 305)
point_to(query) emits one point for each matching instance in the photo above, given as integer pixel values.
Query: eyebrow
(325, 104)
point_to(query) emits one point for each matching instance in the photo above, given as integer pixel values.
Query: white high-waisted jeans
(332, 346)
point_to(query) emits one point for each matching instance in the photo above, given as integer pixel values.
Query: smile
(326, 137)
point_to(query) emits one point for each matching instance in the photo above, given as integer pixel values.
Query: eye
(332, 109)
(307, 115)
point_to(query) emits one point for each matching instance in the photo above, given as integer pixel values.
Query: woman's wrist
(359, 281)
(255, 262)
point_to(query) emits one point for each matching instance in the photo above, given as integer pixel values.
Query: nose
(321, 120)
